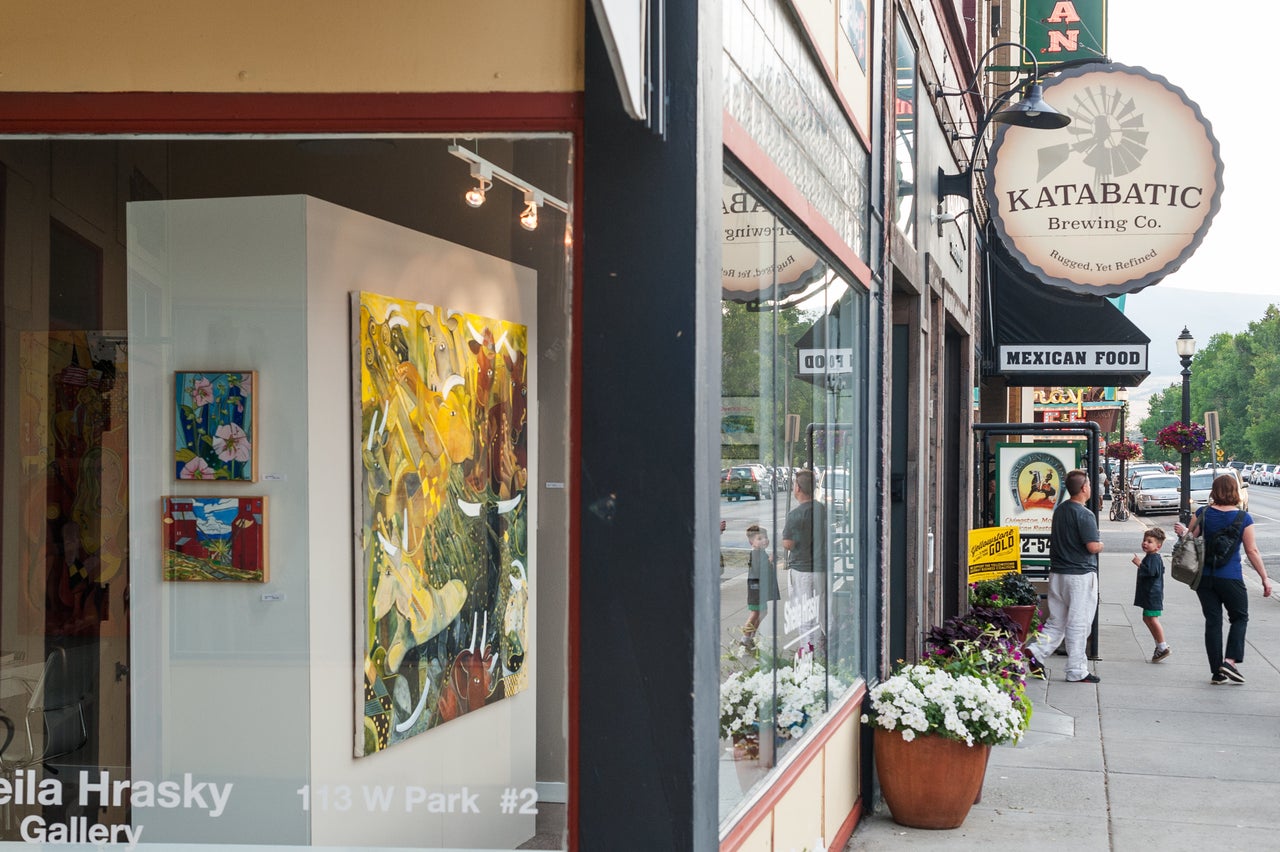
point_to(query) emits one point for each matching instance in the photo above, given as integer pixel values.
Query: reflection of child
(762, 583)
(1149, 593)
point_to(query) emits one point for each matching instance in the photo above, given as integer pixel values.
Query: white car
(1222, 471)
(1157, 492)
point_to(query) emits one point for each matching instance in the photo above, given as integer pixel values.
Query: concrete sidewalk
(1152, 758)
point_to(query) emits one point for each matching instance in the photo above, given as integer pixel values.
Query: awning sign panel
(1073, 358)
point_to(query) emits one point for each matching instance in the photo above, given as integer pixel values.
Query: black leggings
(1217, 593)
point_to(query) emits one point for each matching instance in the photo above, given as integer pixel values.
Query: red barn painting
(215, 538)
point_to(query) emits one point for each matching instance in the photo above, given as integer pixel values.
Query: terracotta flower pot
(930, 782)
(1021, 616)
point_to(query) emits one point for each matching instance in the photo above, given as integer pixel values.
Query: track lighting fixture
(486, 173)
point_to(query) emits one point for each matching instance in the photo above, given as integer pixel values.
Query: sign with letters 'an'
(1117, 199)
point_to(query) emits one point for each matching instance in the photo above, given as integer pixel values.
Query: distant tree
(758, 360)
(1164, 407)
(1237, 375)
(1220, 378)
(1263, 394)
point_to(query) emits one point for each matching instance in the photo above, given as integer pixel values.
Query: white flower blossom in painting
(231, 443)
(201, 392)
(197, 468)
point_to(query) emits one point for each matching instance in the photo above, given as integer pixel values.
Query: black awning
(1040, 334)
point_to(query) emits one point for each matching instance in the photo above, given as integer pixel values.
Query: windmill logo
(1107, 129)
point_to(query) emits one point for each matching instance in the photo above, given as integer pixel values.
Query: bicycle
(1120, 503)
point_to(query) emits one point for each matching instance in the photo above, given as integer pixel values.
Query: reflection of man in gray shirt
(805, 539)
(1073, 580)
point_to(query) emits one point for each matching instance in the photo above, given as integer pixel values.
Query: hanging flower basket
(1125, 450)
(1182, 437)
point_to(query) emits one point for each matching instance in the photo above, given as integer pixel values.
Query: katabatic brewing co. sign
(1119, 198)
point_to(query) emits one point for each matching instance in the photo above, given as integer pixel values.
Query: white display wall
(248, 684)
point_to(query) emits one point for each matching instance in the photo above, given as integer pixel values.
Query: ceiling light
(484, 179)
(529, 218)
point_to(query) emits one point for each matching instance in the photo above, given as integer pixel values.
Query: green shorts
(1152, 613)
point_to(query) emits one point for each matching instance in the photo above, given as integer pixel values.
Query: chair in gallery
(55, 721)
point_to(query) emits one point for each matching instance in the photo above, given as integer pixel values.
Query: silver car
(1157, 492)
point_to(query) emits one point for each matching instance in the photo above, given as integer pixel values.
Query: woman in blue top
(1223, 586)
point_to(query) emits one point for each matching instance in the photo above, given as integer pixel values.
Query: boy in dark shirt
(1149, 592)
(762, 583)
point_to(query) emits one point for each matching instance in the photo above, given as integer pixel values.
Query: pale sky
(1220, 55)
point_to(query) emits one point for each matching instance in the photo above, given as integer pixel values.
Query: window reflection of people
(805, 540)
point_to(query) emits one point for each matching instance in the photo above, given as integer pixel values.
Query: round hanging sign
(1117, 199)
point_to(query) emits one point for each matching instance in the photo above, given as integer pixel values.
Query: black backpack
(1223, 543)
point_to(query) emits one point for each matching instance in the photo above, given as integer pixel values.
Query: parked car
(1265, 474)
(1201, 484)
(1246, 472)
(1135, 483)
(835, 486)
(747, 480)
(1138, 468)
(1240, 483)
(1157, 492)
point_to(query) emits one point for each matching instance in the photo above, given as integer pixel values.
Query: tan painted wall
(291, 46)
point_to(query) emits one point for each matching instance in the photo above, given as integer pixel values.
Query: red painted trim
(219, 112)
(845, 831)
(782, 784)
(742, 146)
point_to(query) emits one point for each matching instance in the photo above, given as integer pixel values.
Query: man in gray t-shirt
(1073, 581)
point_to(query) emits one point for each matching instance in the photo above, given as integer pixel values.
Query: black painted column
(647, 643)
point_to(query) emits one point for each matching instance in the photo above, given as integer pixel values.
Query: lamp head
(1186, 344)
(529, 218)
(483, 175)
(1033, 111)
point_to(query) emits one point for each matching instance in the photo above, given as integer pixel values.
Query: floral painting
(215, 426)
(215, 538)
(443, 588)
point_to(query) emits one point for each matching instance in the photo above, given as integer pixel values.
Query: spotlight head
(529, 218)
(475, 195)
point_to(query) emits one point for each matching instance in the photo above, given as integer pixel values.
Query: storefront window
(278, 565)
(794, 489)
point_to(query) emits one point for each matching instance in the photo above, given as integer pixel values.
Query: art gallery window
(285, 518)
(796, 492)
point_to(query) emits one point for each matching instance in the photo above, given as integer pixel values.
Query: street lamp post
(1186, 349)
(1122, 396)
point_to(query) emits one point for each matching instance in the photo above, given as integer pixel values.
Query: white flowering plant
(925, 699)
(791, 694)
